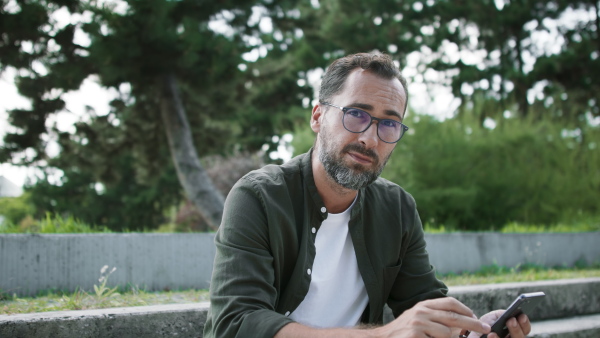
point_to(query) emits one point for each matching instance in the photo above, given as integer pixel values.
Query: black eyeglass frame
(345, 110)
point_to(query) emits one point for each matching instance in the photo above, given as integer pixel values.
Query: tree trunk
(192, 176)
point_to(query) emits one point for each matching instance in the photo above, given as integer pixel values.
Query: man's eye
(390, 123)
(355, 113)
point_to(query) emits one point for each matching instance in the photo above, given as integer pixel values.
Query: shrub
(15, 209)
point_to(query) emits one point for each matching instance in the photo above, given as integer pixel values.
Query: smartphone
(523, 304)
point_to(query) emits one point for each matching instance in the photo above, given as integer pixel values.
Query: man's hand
(435, 318)
(518, 327)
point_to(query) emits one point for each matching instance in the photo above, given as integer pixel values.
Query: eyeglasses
(357, 121)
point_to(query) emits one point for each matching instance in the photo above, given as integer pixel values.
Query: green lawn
(84, 301)
(512, 275)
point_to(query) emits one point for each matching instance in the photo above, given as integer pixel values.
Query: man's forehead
(363, 88)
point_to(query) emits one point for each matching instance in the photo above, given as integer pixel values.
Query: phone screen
(524, 303)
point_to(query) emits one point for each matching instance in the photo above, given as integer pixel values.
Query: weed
(4, 295)
(103, 291)
(75, 301)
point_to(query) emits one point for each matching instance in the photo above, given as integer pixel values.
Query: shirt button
(323, 210)
(314, 230)
(287, 313)
(308, 272)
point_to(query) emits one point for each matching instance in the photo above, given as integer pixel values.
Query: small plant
(103, 291)
(75, 301)
(4, 295)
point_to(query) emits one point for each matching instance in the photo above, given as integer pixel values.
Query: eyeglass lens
(357, 121)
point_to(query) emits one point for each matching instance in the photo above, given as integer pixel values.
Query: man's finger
(518, 327)
(491, 317)
(448, 304)
(525, 323)
(453, 319)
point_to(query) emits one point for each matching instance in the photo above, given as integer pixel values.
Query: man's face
(355, 160)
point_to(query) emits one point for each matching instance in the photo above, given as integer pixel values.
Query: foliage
(128, 198)
(52, 224)
(304, 138)
(15, 209)
(55, 224)
(503, 55)
(515, 227)
(243, 86)
(470, 178)
(133, 51)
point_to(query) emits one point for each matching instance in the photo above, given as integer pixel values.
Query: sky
(434, 100)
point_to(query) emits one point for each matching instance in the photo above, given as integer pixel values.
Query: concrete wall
(30, 263)
(457, 252)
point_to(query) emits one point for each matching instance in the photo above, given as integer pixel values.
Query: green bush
(467, 177)
(52, 224)
(15, 209)
(588, 226)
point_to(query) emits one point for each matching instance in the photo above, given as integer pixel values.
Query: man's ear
(316, 118)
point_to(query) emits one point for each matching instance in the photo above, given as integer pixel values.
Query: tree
(512, 63)
(180, 75)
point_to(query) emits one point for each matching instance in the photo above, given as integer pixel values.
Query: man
(316, 247)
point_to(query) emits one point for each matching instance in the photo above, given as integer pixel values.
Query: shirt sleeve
(416, 280)
(242, 292)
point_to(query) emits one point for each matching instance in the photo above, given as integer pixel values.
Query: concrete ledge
(564, 297)
(576, 327)
(181, 320)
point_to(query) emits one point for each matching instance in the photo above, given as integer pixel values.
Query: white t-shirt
(337, 295)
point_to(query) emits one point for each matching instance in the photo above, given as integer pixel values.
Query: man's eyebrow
(370, 107)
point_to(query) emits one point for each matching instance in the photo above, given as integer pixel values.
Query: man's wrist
(378, 332)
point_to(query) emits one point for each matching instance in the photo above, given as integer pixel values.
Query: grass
(496, 274)
(104, 297)
(589, 225)
(81, 300)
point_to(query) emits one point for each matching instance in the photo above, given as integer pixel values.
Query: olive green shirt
(266, 244)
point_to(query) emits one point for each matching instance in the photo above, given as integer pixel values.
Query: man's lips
(360, 157)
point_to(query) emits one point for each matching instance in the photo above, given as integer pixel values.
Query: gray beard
(354, 178)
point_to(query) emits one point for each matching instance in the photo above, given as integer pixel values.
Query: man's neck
(335, 197)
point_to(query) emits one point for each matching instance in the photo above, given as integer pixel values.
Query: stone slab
(176, 320)
(574, 327)
(564, 298)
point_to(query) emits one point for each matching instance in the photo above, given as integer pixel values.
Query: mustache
(361, 150)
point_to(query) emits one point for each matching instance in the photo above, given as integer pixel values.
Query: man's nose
(369, 137)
